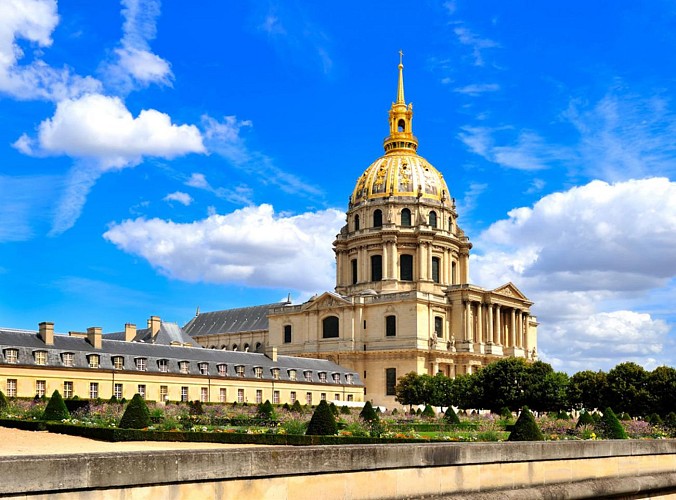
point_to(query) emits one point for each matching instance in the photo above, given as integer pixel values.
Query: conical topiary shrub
(56, 408)
(670, 420)
(334, 409)
(265, 411)
(322, 423)
(428, 412)
(297, 407)
(4, 403)
(525, 428)
(611, 428)
(136, 415)
(585, 419)
(367, 413)
(344, 410)
(451, 417)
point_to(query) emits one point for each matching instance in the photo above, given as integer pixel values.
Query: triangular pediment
(510, 290)
(327, 300)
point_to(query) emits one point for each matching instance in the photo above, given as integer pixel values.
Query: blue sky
(160, 157)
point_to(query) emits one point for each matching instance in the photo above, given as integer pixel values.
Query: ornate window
(67, 358)
(349, 378)
(435, 269)
(406, 267)
(287, 334)
(330, 327)
(376, 267)
(378, 218)
(356, 222)
(406, 217)
(433, 219)
(11, 355)
(390, 326)
(234, 347)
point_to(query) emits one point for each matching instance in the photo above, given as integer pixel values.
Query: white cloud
(135, 64)
(34, 21)
(101, 128)
(251, 246)
(180, 197)
(476, 89)
(591, 258)
(240, 195)
(478, 44)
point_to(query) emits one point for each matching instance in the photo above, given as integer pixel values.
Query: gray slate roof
(243, 319)
(27, 342)
(169, 332)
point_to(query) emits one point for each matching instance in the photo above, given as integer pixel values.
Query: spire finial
(400, 87)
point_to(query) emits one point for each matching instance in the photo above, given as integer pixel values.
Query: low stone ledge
(105, 470)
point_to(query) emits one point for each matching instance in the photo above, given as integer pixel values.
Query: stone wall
(566, 469)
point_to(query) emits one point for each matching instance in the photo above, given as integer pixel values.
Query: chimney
(271, 352)
(94, 336)
(154, 325)
(46, 332)
(129, 332)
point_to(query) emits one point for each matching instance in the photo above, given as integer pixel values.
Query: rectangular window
(354, 271)
(204, 368)
(287, 334)
(376, 267)
(406, 267)
(292, 397)
(40, 387)
(222, 370)
(164, 393)
(240, 370)
(140, 364)
(222, 395)
(94, 361)
(336, 378)
(93, 390)
(117, 391)
(11, 355)
(67, 359)
(118, 362)
(11, 387)
(322, 396)
(390, 381)
(308, 376)
(163, 365)
(348, 378)
(204, 394)
(184, 393)
(292, 375)
(350, 397)
(259, 396)
(142, 390)
(308, 398)
(40, 357)
(275, 397)
(240, 395)
(183, 366)
(390, 326)
(258, 372)
(68, 389)
(435, 269)
(439, 326)
(336, 397)
(322, 377)
(275, 373)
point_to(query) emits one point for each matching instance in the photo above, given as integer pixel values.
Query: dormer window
(94, 360)
(322, 377)
(336, 378)
(204, 368)
(348, 378)
(239, 369)
(140, 364)
(118, 362)
(275, 373)
(308, 375)
(258, 372)
(222, 370)
(67, 358)
(184, 367)
(40, 357)
(292, 375)
(163, 365)
(11, 355)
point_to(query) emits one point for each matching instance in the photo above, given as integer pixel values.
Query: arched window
(356, 222)
(376, 267)
(406, 217)
(234, 347)
(433, 219)
(401, 126)
(355, 276)
(224, 347)
(246, 347)
(330, 327)
(378, 218)
(435, 269)
(390, 326)
(406, 267)
(258, 347)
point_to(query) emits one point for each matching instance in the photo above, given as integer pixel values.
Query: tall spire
(400, 87)
(401, 136)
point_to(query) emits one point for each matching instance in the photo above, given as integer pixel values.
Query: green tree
(440, 390)
(367, 413)
(465, 391)
(545, 389)
(585, 419)
(610, 426)
(136, 414)
(525, 428)
(409, 390)
(56, 408)
(503, 383)
(296, 407)
(265, 411)
(627, 389)
(4, 403)
(451, 417)
(587, 390)
(428, 412)
(661, 386)
(322, 423)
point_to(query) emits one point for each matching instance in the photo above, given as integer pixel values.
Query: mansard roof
(169, 333)
(242, 319)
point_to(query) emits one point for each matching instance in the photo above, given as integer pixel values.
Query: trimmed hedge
(585, 419)
(451, 417)
(323, 422)
(525, 428)
(56, 408)
(611, 428)
(136, 415)
(367, 413)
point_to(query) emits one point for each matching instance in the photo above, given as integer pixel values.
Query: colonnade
(497, 324)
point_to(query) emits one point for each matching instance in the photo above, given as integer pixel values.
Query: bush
(428, 412)
(286, 407)
(113, 400)
(624, 416)
(505, 412)
(322, 423)
(265, 411)
(585, 419)
(56, 408)
(136, 415)
(418, 412)
(670, 420)
(394, 411)
(367, 413)
(296, 407)
(334, 409)
(525, 428)
(654, 419)
(611, 428)
(196, 407)
(562, 415)
(4, 404)
(344, 410)
(451, 417)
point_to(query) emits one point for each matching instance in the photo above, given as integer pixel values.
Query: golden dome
(401, 172)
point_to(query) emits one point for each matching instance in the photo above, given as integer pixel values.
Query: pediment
(510, 290)
(327, 300)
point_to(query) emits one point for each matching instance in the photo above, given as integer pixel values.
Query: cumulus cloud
(180, 197)
(589, 257)
(34, 21)
(135, 64)
(251, 246)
